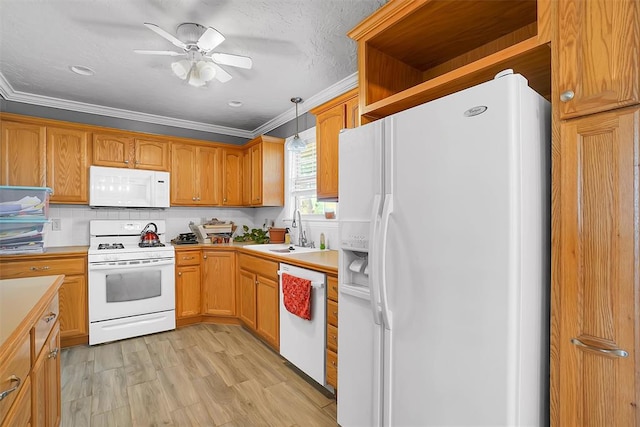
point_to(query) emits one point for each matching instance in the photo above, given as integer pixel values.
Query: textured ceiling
(298, 47)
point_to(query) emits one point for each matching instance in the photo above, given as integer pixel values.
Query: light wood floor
(201, 375)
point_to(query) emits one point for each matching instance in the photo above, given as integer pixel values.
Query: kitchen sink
(281, 249)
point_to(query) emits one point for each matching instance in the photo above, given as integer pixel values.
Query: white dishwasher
(303, 342)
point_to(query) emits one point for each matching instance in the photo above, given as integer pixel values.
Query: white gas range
(131, 288)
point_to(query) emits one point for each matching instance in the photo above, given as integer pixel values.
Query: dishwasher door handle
(315, 285)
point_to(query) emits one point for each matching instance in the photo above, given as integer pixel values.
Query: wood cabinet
(22, 154)
(598, 307)
(264, 171)
(246, 178)
(73, 296)
(332, 331)
(67, 164)
(403, 63)
(218, 283)
(45, 379)
(126, 151)
(232, 177)
(331, 117)
(599, 50)
(195, 175)
(259, 297)
(188, 284)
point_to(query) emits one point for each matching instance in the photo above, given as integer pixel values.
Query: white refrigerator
(445, 262)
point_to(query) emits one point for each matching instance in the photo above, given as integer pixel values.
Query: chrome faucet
(302, 238)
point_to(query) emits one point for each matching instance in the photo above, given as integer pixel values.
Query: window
(302, 180)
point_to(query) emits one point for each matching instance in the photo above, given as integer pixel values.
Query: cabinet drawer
(261, 266)
(332, 338)
(43, 267)
(332, 313)
(187, 258)
(332, 368)
(43, 326)
(332, 288)
(18, 364)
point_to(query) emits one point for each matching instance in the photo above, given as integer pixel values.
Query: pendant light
(296, 144)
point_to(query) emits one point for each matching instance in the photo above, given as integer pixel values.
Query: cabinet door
(39, 388)
(152, 155)
(232, 177)
(188, 291)
(599, 47)
(352, 109)
(73, 307)
(268, 316)
(246, 178)
(247, 294)
(112, 150)
(256, 174)
(53, 377)
(183, 174)
(328, 126)
(598, 309)
(68, 165)
(208, 176)
(219, 284)
(22, 154)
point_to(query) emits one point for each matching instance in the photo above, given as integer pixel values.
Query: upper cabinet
(195, 175)
(232, 179)
(331, 117)
(126, 151)
(411, 52)
(263, 171)
(599, 50)
(68, 151)
(22, 154)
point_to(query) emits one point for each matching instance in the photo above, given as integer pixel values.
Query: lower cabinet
(259, 309)
(45, 378)
(332, 331)
(218, 283)
(188, 278)
(74, 318)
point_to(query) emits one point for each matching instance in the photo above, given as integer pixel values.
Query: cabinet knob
(334, 363)
(179, 273)
(197, 199)
(205, 257)
(193, 198)
(126, 162)
(567, 96)
(224, 200)
(137, 162)
(53, 354)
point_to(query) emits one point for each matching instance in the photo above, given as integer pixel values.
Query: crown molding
(344, 85)
(320, 98)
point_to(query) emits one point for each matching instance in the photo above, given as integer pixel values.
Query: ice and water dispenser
(354, 245)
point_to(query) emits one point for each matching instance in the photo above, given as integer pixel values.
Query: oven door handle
(112, 265)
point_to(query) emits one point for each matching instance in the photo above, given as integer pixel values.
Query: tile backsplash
(74, 221)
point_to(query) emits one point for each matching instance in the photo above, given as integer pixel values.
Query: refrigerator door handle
(384, 235)
(374, 280)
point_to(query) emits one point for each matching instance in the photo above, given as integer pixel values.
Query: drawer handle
(616, 352)
(188, 257)
(334, 363)
(45, 268)
(12, 378)
(53, 354)
(49, 317)
(334, 337)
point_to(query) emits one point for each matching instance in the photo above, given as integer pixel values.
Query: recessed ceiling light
(235, 104)
(83, 71)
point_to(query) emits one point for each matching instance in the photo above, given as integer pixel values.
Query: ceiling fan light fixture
(181, 68)
(194, 77)
(206, 70)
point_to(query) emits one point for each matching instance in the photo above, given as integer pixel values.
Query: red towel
(297, 295)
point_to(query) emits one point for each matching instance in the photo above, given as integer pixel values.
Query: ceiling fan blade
(163, 33)
(209, 40)
(221, 74)
(160, 52)
(232, 60)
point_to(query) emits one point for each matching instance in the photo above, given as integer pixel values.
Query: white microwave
(128, 188)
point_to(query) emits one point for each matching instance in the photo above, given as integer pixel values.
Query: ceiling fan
(201, 63)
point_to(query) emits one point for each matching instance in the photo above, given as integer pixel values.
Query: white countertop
(17, 299)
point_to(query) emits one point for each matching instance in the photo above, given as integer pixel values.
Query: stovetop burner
(151, 245)
(110, 246)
